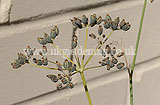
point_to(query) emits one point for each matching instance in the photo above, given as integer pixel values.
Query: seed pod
(66, 64)
(84, 20)
(74, 23)
(116, 21)
(74, 44)
(59, 66)
(75, 38)
(107, 18)
(100, 30)
(102, 63)
(47, 38)
(99, 20)
(126, 27)
(120, 65)
(93, 20)
(73, 68)
(120, 54)
(106, 25)
(114, 60)
(113, 51)
(64, 80)
(53, 78)
(34, 60)
(78, 22)
(122, 23)
(107, 61)
(114, 26)
(39, 62)
(59, 86)
(45, 62)
(22, 58)
(60, 76)
(53, 34)
(56, 30)
(111, 64)
(70, 85)
(103, 53)
(18, 63)
(15, 65)
(92, 36)
(42, 41)
(29, 51)
(108, 67)
(108, 49)
(44, 49)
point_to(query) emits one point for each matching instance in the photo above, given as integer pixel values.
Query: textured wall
(22, 21)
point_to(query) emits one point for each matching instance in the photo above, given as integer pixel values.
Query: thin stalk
(51, 62)
(135, 56)
(98, 47)
(86, 88)
(139, 34)
(85, 45)
(63, 53)
(42, 66)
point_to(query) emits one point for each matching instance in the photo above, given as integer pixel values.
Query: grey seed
(39, 62)
(120, 65)
(108, 49)
(111, 64)
(53, 78)
(47, 38)
(100, 30)
(45, 62)
(120, 54)
(92, 36)
(64, 80)
(53, 34)
(70, 85)
(114, 60)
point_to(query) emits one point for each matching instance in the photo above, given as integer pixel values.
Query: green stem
(131, 90)
(85, 45)
(138, 38)
(42, 66)
(136, 50)
(86, 88)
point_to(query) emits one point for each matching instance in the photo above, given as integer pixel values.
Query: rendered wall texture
(22, 21)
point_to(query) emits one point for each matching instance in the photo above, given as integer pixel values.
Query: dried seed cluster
(22, 58)
(111, 59)
(64, 80)
(49, 38)
(108, 23)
